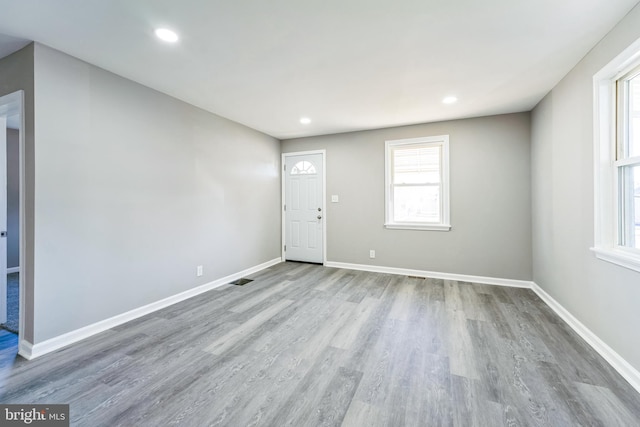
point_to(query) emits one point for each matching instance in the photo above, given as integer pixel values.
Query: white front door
(3, 219)
(303, 210)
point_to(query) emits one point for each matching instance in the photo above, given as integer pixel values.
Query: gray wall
(17, 73)
(490, 199)
(134, 189)
(13, 199)
(601, 295)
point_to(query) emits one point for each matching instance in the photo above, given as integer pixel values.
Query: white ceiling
(347, 64)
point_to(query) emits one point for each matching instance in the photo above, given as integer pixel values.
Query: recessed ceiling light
(450, 100)
(166, 35)
(305, 120)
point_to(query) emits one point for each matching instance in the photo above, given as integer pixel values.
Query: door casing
(324, 200)
(14, 103)
(3, 219)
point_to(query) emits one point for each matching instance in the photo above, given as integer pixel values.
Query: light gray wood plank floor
(307, 345)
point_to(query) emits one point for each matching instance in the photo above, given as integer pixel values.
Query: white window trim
(606, 183)
(445, 225)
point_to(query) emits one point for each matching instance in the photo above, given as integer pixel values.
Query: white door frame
(4, 246)
(9, 105)
(324, 199)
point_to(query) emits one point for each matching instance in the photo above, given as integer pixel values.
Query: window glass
(630, 206)
(417, 193)
(303, 168)
(628, 162)
(416, 204)
(416, 165)
(636, 206)
(634, 117)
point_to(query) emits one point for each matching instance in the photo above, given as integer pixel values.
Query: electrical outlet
(199, 271)
(372, 253)
(335, 198)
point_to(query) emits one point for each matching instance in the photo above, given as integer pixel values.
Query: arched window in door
(303, 168)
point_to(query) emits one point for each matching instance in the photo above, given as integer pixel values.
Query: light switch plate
(334, 198)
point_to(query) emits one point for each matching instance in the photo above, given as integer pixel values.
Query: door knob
(319, 209)
(319, 216)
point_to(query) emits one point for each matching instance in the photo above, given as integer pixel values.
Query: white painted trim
(3, 218)
(283, 200)
(13, 270)
(606, 178)
(25, 349)
(433, 274)
(30, 351)
(628, 372)
(24, 346)
(618, 363)
(324, 200)
(620, 257)
(434, 227)
(445, 199)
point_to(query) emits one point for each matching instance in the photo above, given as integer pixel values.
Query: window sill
(425, 227)
(619, 257)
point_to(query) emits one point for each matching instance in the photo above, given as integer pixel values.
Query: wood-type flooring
(307, 345)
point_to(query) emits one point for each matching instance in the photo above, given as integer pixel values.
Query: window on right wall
(617, 160)
(627, 161)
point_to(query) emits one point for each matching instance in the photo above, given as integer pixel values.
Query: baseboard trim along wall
(25, 347)
(433, 274)
(31, 351)
(618, 363)
(13, 270)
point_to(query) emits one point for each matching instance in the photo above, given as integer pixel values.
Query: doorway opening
(11, 214)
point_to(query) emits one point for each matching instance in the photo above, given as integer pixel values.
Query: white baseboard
(25, 349)
(31, 351)
(13, 270)
(618, 363)
(433, 274)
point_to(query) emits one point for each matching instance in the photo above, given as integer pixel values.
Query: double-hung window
(617, 159)
(627, 161)
(417, 183)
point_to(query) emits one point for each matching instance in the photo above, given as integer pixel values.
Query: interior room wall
(17, 73)
(134, 189)
(603, 296)
(490, 199)
(13, 199)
